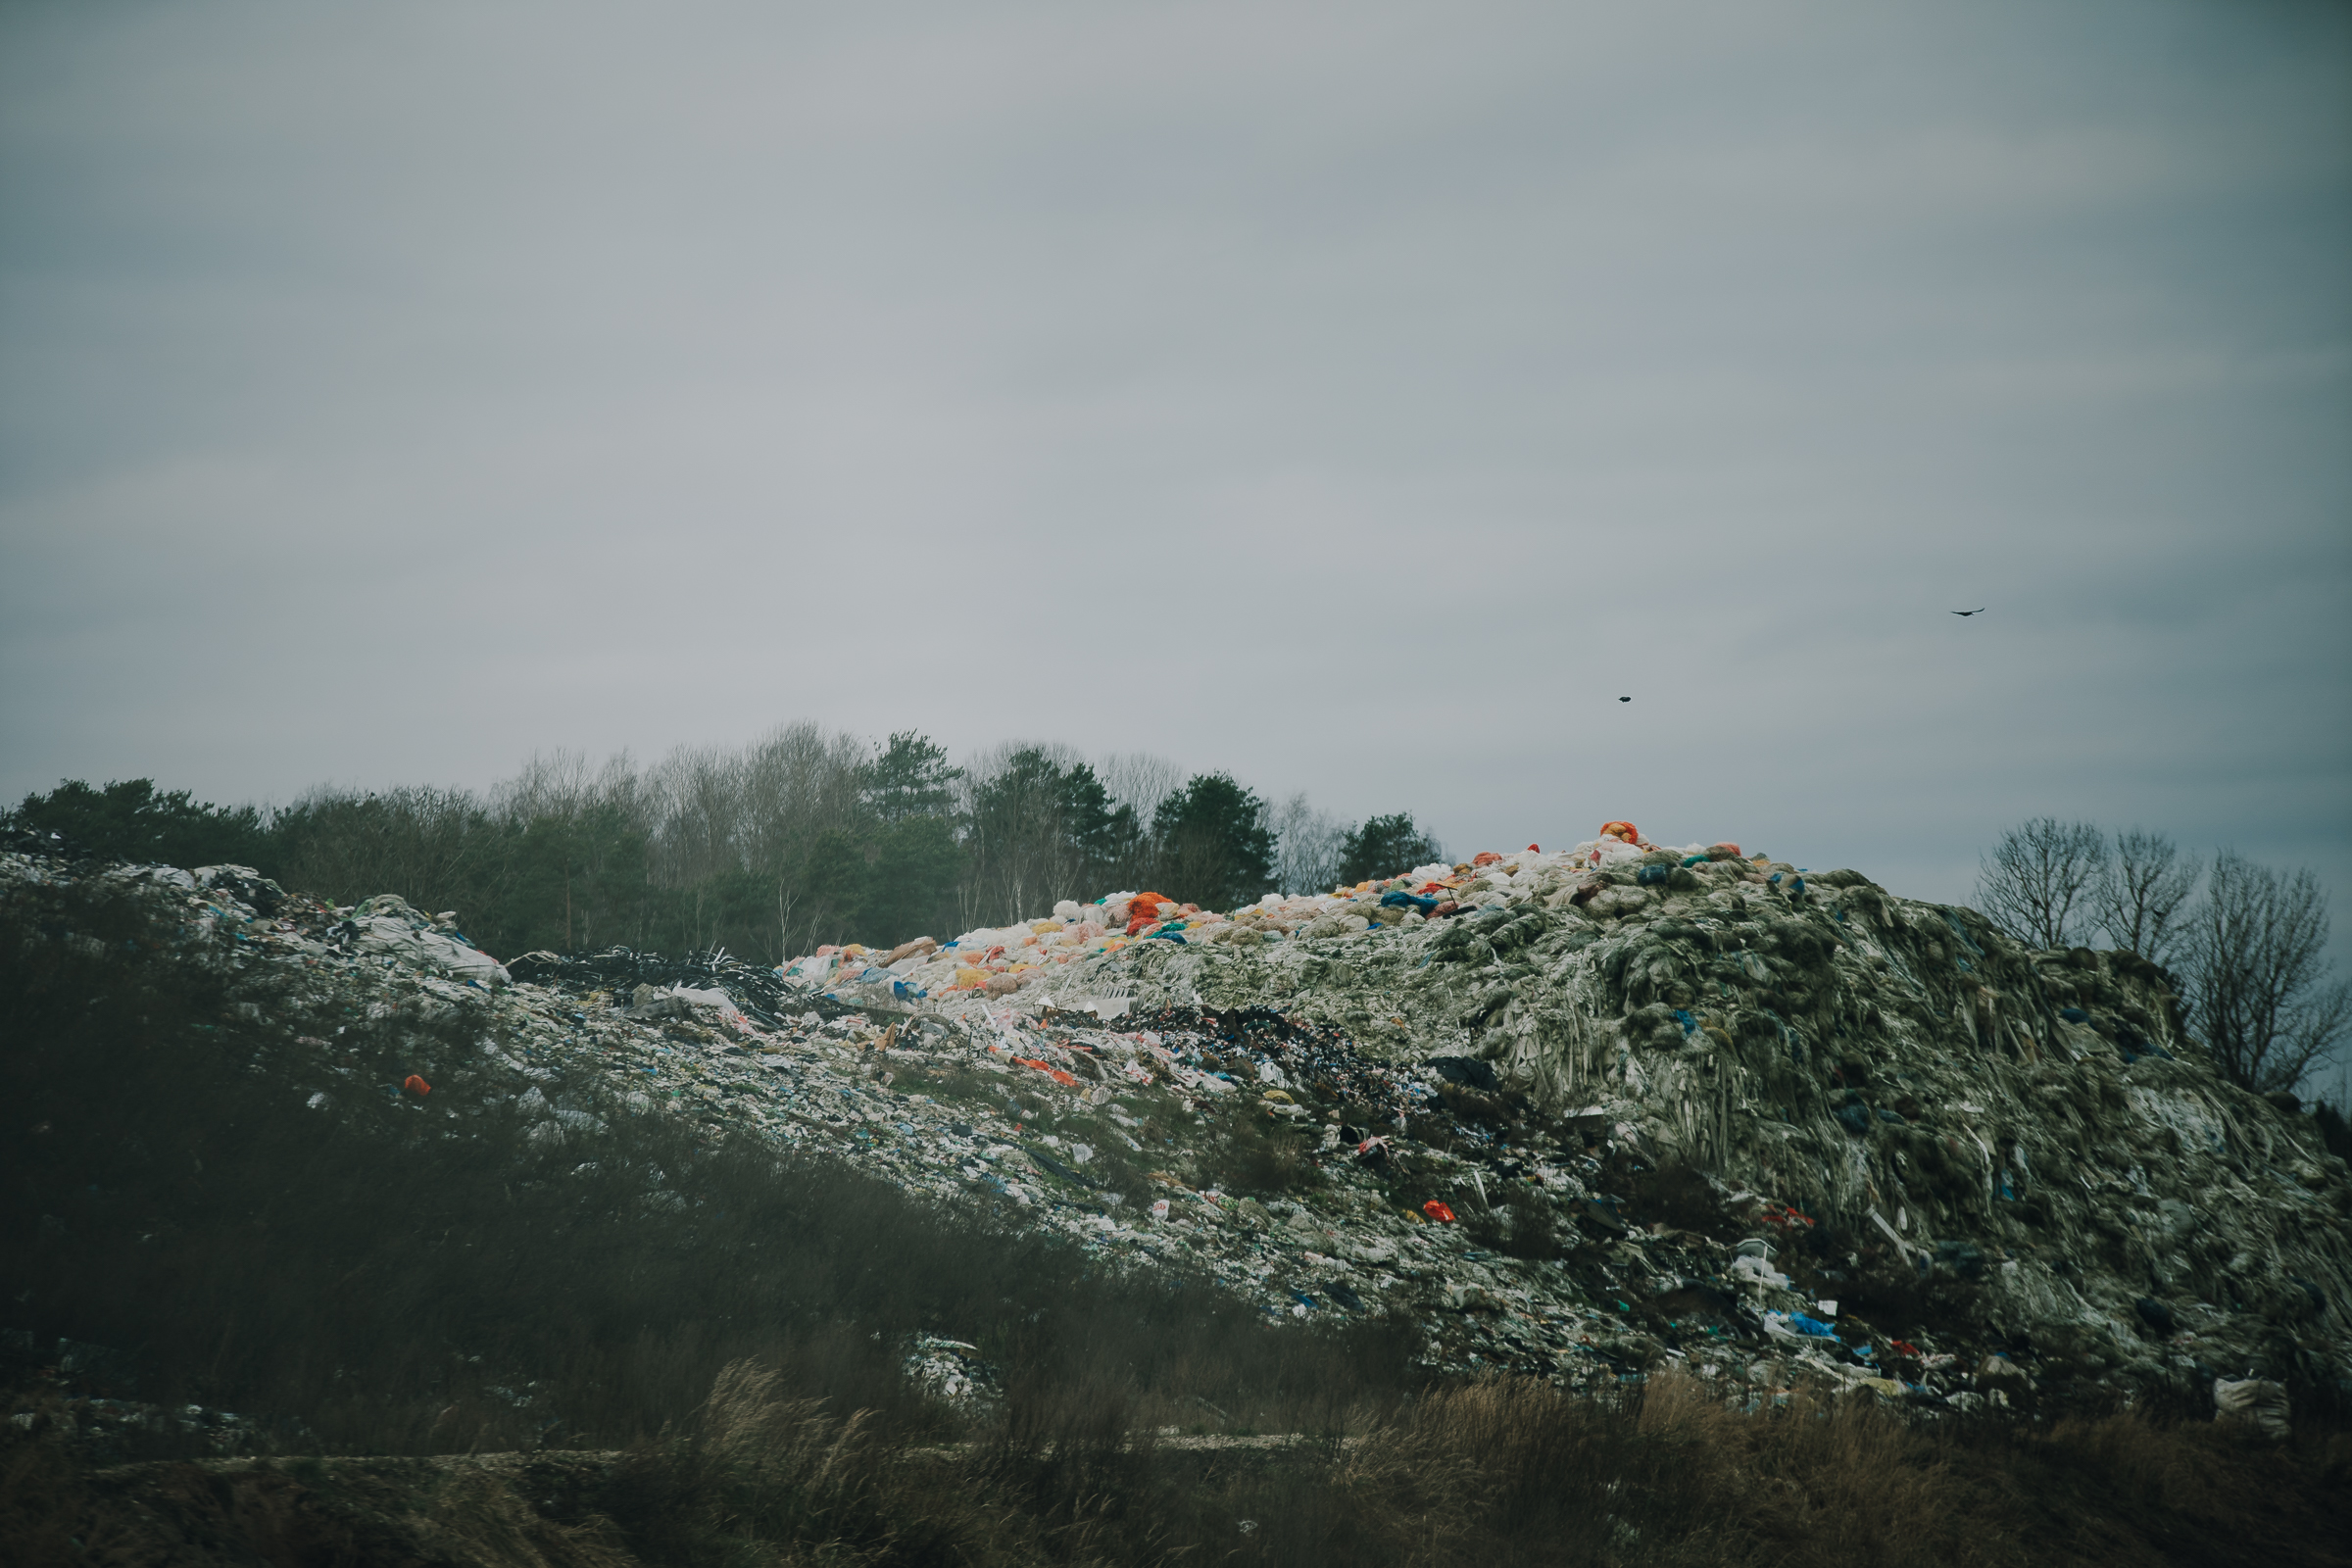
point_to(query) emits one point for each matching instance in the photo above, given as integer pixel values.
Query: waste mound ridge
(1581, 1114)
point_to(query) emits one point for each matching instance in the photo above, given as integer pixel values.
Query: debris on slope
(1578, 1114)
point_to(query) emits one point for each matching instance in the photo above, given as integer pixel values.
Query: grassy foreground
(451, 1342)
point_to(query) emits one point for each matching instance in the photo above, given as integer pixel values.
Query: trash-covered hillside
(1579, 1113)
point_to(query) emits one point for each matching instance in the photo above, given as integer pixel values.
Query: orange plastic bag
(1437, 1211)
(1622, 832)
(1142, 910)
(415, 1084)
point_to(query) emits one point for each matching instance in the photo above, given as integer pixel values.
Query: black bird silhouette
(1978, 611)
(1625, 699)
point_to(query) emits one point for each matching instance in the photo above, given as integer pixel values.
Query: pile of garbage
(1582, 1114)
(710, 978)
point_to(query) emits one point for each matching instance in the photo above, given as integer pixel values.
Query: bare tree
(561, 784)
(699, 807)
(1306, 857)
(1140, 780)
(777, 813)
(804, 793)
(2140, 900)
(2258, 981)
(2040, 883)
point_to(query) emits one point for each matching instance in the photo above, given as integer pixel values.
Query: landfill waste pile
(1583, 1114)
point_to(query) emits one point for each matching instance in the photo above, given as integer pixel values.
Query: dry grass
(1496, 1474)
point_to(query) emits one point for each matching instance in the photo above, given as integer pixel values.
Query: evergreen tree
(577, 882)
(131, 819)
(1384, 847)
(910, 778)
(1213, 846)
(916, 856)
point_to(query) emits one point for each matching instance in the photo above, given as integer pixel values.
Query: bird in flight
(1625, 699)
(1978, 611)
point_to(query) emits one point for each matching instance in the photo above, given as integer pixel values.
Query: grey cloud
(1360, 398)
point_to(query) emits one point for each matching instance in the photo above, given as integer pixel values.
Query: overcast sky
(1360, 398)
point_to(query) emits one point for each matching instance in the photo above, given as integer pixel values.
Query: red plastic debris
(1437, 1211)
(415, 1084)
(1534, 849)
(1485, 858)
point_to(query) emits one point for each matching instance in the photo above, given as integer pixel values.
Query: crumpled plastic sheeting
(1797, 1325)
(386, 926)
(762, 994)
(1757, 1272)
(2256, 1404)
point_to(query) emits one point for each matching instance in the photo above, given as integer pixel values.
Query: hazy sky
(1361, 398)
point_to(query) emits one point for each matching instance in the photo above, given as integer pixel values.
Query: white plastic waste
(2256, 1404)
(391, 936)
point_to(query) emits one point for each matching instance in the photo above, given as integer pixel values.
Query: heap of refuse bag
(1000, 961)
(1582, 1113)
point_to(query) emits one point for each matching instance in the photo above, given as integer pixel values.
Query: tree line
(807, 836)
(803, 837)
(2245, 945)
